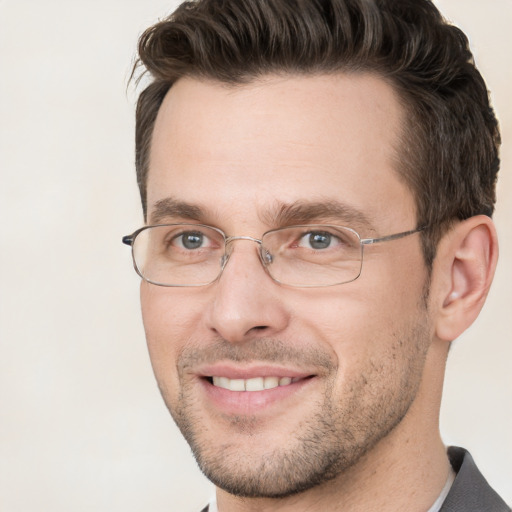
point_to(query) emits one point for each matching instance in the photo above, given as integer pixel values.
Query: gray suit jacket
(470, 491)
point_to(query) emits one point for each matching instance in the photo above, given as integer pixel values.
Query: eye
(191, 240)
(319, 240)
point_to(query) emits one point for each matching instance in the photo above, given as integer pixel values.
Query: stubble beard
(340, 431)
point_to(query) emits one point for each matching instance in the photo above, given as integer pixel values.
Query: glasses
(302, 256)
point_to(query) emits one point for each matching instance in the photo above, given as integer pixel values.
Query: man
(317, 179)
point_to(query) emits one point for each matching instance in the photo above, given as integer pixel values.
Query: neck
(405, 471)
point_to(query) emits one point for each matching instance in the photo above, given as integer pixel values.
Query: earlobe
(469, 255)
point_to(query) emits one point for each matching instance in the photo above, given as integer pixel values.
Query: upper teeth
(255, 384)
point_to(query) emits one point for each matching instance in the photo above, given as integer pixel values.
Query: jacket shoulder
(470, 491)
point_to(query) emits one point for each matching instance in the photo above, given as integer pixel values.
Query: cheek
(362, 320)
(167, 312)
(170, 320)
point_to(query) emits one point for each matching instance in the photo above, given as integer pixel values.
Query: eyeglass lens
(194, 255)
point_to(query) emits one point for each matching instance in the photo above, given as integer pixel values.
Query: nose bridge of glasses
(265, 259)
(230, 239)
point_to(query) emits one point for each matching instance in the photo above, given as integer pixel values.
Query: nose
(246, 302)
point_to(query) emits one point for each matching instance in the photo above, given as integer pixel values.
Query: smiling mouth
(253, 384)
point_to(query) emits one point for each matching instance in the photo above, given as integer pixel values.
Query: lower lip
(251, 402)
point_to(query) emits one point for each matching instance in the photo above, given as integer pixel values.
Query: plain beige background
(82, 426)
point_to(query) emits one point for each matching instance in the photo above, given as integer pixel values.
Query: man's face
(349, 358)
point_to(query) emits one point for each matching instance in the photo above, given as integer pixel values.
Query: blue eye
(318, 240)
(190, 240)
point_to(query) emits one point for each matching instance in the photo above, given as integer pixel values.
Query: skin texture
(361, 425)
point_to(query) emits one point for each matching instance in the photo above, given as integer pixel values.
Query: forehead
(236, 151)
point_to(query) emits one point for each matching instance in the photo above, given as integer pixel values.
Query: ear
(464, 269)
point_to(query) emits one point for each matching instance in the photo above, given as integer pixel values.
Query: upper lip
(249, 372)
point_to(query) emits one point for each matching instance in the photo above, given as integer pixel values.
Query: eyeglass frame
(130, 239)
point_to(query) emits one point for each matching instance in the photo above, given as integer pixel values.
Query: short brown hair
(449, 149)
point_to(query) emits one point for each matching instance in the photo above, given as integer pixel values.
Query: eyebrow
(167, 208)
(279, 215)
(306, 212)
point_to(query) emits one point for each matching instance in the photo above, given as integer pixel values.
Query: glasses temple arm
(395, 236)
(128, 239)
